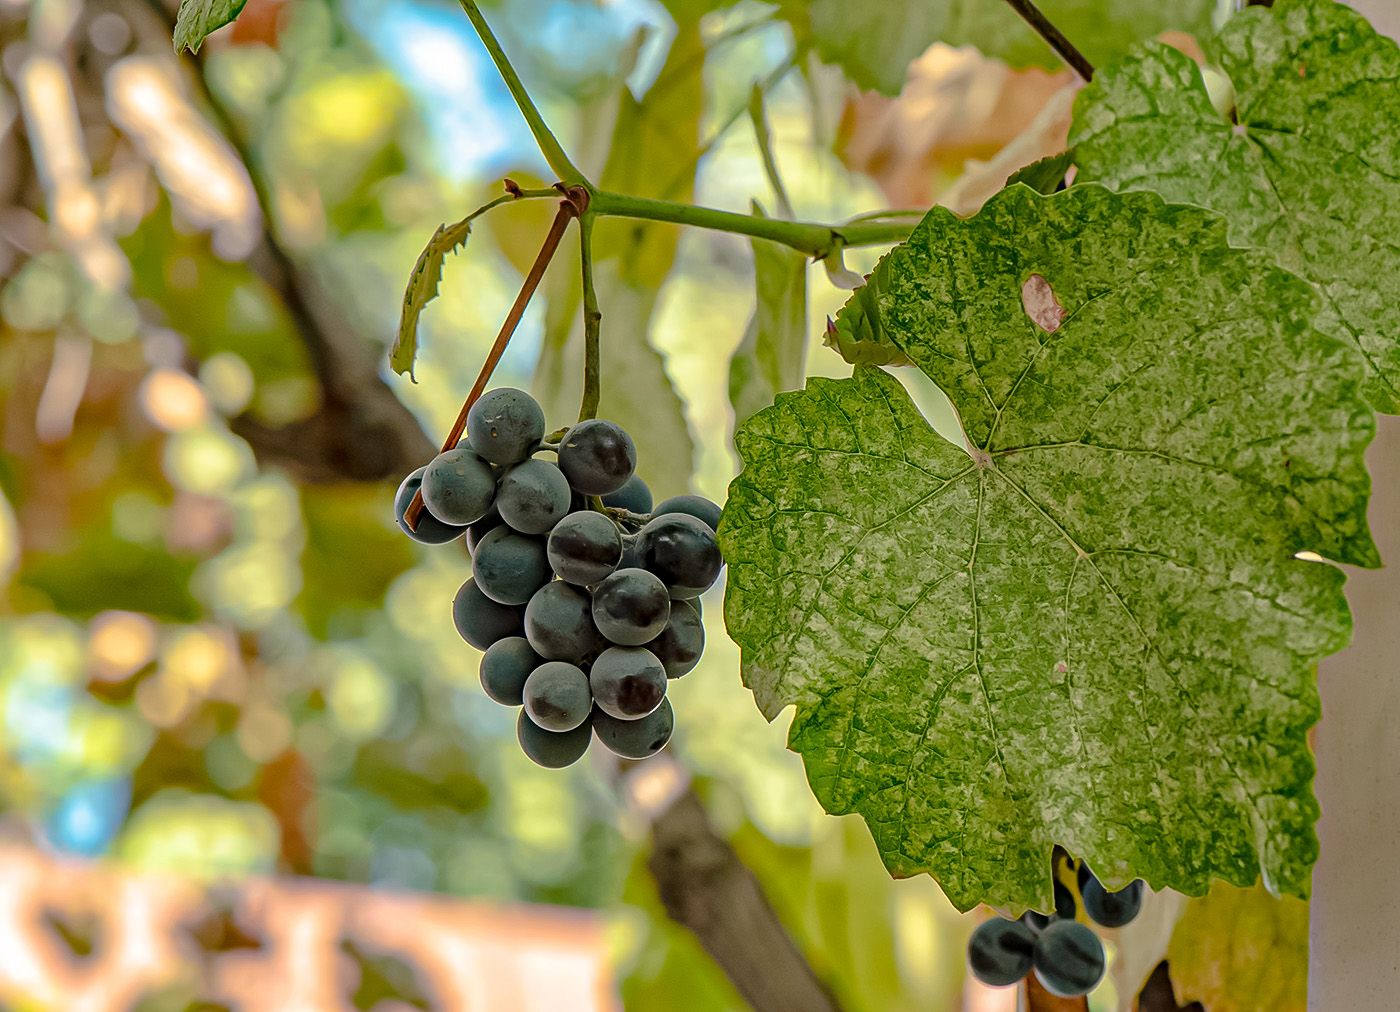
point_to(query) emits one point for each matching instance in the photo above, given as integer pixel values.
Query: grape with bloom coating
(559, 622)
(481, 621)
(505, 425)
(431, 530)
(627, 682)
(682, 641)
(1000, 952)
(696, 506)
(1112, 910)
(557, 696)
(635, 496)
(597, 457)
(458, 486)
(552, 749)
(636, 739)
(631, 607)
(1069, 959)
(584, 548)
(504, 668)
(682, 552)
(510, 567)
(533, 496)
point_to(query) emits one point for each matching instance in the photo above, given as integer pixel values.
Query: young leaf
(422, 289)
(773, 354)
(1046, 174)
(1242, 950)
(1088, 628)
(200, 18)
(875, 43)
(1311, 171)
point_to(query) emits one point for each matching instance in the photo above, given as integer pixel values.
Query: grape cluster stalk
(584, 598)
(1060, 948)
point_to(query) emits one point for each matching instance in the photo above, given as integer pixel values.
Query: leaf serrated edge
(422, 288)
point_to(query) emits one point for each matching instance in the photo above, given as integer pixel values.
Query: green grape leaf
(1311, 171)
(199, 19)
(1242, 950)
(423, 288)
(1088, 627)
(856, 334)
(772, 356)
(875, 43)
(1045, 174)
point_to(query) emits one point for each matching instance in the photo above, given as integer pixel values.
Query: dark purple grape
(696, 506)
(458, 486)
(597, 457)
(631, 607)
(1069, 959)
(682, 552)
(480, 620)
(483, 527)
(636, 739)
(999, 953)
(627, 682)
(635, 497)
(532, 497)
(431, 530)
(504, 668)
(584, 548)
(559, 622)
(510, 567)
(1112, 910)
(557, 696)
(505, 425)
(682, 641)
(552, 749)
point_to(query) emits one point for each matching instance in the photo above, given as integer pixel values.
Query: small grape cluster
(585, 599)
(1064, 953)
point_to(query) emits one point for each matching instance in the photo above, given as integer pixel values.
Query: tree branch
(705, 887)
(362, 431)
(1032, 15)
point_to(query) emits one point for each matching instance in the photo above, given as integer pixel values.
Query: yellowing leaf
(1242, 950)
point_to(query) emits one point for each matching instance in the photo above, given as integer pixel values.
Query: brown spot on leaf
(1041, 305)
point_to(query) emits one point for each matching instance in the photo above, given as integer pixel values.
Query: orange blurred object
(293, 935)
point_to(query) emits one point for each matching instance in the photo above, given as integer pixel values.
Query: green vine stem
(550, 147)
(592, 321)
(813, 238)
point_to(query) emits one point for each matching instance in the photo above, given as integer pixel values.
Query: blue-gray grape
(636, 739)
(533, 496)
(682, 641)
(559, 622)
(505, 425)
(682, 551)
(584, 548)
(1112, 910)
(631, 607)
(483, 527)
(1068, 959)
(635, 496)
(458, 486)
(597, 457)
(696, 506)
(557, 696)
(552, 749)
(510, 567)
(504, 668)
(431, 530)
(627, 682)
(481, 621)
(999, 953)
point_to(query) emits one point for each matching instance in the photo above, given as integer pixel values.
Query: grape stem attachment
(573, 205)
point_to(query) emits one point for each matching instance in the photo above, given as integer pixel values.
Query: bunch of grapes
(1065, 954)
(585, 599)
